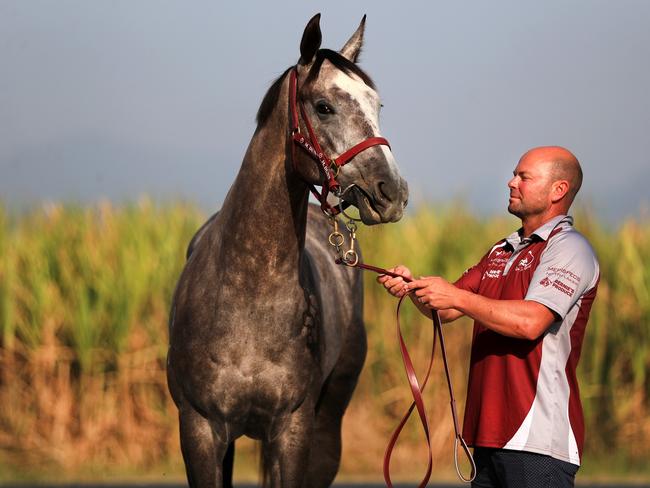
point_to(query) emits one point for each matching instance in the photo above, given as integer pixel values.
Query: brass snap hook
(351, 257)
(336, 239)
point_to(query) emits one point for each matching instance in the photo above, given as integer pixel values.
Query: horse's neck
(265, 212)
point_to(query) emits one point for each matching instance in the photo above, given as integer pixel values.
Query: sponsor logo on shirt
(564, 274)
(562, 279)
(492, 273)
(567, 290)
(526, 262)
(498, 258)
(496, 264)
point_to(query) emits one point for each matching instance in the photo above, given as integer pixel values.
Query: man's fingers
(389, 281)
(396, 285)
(402, 270)
(415, 285)
(397, 288)
(422, 282)
(382, 278)
(396, 282)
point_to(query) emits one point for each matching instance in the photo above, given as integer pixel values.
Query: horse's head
(342, 104)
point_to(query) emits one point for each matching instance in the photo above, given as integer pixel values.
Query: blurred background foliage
(84, 299)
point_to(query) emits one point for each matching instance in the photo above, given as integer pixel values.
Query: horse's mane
(270, 99)
(339, 61)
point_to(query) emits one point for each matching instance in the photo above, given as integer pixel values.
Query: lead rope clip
(351, 257)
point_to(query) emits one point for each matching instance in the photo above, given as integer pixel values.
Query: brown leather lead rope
(416, 391)
(418, 402)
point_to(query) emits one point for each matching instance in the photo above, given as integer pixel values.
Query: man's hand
(434, 292)
(423, 294)
(395, 286)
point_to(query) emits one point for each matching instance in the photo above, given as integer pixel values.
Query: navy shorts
(502, 468)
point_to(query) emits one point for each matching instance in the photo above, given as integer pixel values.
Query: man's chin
(514, 210)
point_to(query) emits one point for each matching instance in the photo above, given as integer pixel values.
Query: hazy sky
(114, 99)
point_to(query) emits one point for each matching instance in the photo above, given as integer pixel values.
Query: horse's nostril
(383, 192)
(390, 198)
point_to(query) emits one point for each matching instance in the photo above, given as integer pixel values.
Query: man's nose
(513, 182)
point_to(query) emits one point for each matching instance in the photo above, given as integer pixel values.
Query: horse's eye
(324, 108)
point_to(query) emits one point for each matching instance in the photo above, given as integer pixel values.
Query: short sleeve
(568, 269)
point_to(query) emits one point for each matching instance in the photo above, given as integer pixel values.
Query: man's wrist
(462, 300)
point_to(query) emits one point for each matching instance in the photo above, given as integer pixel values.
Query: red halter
(329, 166)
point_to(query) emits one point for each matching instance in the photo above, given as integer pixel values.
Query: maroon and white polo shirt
(523, 394)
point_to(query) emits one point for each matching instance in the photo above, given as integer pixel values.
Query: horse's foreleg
(286, 456)
(228, 465)
(203, 452)
(325, 453)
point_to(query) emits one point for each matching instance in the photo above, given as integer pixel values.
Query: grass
(84, 298)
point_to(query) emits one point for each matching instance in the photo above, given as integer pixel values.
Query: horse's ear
(311, 40)
(352, 48)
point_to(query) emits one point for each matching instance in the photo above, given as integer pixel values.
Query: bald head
(562, 165)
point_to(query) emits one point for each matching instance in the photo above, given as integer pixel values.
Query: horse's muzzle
(383, 202)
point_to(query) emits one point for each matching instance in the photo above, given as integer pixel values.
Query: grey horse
(266, 332)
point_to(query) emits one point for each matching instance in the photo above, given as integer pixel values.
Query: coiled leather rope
(416, 390)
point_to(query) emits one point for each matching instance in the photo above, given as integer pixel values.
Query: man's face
(530, 187)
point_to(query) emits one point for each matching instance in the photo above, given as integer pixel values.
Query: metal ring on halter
(334, 168)
(338, 192)
(336, 239)
(353, 260)
(327, 212)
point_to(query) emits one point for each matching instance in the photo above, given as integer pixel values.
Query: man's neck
(530, 223)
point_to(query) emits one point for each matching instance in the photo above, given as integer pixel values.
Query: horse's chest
(241, 355)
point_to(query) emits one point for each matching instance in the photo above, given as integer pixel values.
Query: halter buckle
(334, 168)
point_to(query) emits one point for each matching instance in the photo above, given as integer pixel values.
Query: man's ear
(558, 190)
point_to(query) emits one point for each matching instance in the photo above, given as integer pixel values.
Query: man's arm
(524, 319)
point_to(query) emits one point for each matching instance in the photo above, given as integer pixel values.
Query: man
(530, 298)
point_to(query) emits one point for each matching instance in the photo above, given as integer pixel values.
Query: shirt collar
(542, 232)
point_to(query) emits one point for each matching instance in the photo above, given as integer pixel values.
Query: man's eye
(324, 108)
